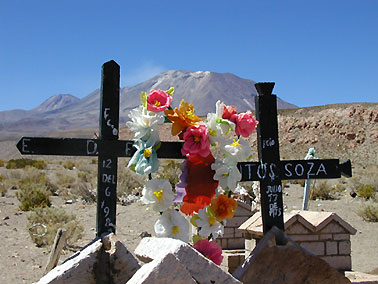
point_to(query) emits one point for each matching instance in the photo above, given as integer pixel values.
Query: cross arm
(295, 169)
(90, 147)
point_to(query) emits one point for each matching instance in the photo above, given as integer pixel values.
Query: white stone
(200, 268)
(162, 271)
(123, 263)
(103, 257)
(77, 270)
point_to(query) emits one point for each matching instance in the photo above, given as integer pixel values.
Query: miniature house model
(233, 237)
(324, 234)
(232, 241)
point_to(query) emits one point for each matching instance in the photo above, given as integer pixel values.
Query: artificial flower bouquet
(206, 183)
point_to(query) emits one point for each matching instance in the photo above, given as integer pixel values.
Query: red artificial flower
(201, 186)
(228, 111)
(196, 141)
(158, 101)
(210, 250)
(245, 123)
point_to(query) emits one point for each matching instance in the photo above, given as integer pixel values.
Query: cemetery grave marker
(270, 170)
(107, 148)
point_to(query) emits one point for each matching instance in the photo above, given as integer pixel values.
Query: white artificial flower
(218, 126)
(227, 175)
(208, 225)
(145, 124)
(158, 192)
(172, 224)
(236, 151)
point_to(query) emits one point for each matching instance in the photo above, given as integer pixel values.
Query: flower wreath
(206, 183)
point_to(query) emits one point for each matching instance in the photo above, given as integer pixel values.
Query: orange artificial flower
(223, 207)
(182, 117)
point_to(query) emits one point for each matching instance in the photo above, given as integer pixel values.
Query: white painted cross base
(103, 258)
(201, 269)
(162, 271)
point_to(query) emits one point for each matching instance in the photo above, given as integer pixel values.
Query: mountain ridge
(200, 88)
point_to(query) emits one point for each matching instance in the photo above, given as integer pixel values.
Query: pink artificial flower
(196, 141)
(210, 250)
(245, 123)
(228, 112)
(158, 101)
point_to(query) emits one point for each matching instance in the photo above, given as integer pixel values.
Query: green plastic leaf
(209, 212)
(166, 120)
(143, 99)
(197, 238)
(132, 167)
(170, 91)
(157, 146)
(193, 220)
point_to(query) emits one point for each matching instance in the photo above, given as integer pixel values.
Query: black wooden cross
(107, 147)
(270, 170)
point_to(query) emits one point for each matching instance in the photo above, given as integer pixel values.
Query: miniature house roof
(311, 220)
(244, 206)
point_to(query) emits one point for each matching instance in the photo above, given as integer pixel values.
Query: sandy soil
(22, 262)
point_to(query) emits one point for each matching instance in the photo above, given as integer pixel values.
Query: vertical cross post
(107, 165)
(269, 157)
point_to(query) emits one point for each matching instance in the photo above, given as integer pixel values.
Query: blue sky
(318, 52)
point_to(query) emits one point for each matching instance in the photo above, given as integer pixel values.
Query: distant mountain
(56, 102)
(53, 103)
(201, 88)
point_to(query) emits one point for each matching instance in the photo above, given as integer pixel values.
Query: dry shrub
(34, 190)
(322, 191)
(86, 166)
(84, 191)
(87, 172)
(7, 183)
(45, 222)
(69, 165)
(301, 182)
(339, 187)
(34, 176)
(128, 181)
(88, 177)
(15, 174)
(63, 179)
(170, 170)
(35, 195)
(366, 191)
(83, 176)
(369, 212)
(23, 163)
(1, 163)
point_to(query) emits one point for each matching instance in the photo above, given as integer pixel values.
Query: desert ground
(336, 132)
(23, 262)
